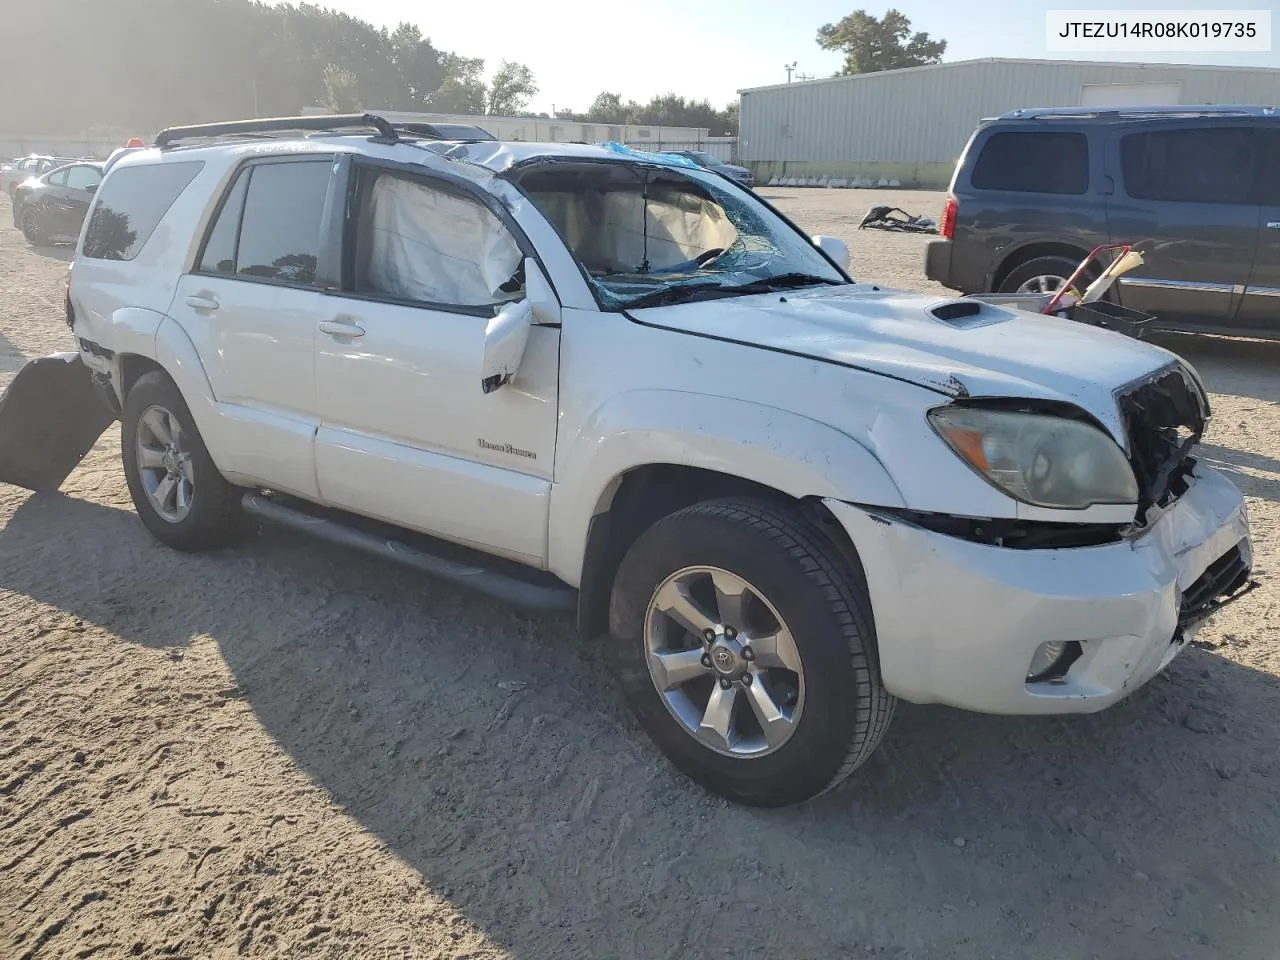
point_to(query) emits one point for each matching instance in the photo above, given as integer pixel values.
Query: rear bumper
(937, 261)
(959, 622)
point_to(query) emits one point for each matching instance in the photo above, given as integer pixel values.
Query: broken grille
(1164, 418)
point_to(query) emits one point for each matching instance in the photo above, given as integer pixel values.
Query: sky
(713, 49)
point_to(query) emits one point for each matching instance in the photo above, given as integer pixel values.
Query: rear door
(251, 306)
(1184, 197)
(1260, 308)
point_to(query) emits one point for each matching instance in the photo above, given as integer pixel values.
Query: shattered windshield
(650, 236)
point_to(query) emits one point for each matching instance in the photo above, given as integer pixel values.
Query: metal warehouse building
(910, 125)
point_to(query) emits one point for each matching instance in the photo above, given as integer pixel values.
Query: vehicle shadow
(1237, 463)
(1229, 365)
(488, 750)
(66, 252)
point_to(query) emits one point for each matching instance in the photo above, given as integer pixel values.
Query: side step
(556, 597)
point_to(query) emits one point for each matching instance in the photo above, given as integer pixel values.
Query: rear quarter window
(131, 203)
(1033, 161)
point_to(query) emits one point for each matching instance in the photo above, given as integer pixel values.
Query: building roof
(953, 64)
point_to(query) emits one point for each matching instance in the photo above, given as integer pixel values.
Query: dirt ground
(286, 750)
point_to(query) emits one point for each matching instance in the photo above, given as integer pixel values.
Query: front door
(406, 434)
(70, 200)
(251, 306)
(1184, 197)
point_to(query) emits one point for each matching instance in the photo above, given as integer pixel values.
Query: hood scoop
(965, 314)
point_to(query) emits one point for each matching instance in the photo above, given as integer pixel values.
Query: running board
(493, 583)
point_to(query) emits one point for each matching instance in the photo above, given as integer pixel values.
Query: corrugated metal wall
(924, 115)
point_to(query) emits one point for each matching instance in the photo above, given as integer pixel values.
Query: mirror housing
(505, 337)
(837, 250)
(507, 332)
(91, 189)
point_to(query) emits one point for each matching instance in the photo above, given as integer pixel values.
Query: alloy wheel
(723, 661)
(164, 464)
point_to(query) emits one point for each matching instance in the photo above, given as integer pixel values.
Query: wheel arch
(1031, 251)
(642, 496)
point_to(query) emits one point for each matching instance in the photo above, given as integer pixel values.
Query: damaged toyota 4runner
(781, 498)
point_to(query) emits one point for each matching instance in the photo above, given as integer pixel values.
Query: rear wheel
(33, 227)
(177, 490)
(1044, 275)
(745, 646)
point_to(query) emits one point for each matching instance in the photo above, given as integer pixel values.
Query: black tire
(33, 228)
(1053, 266)
(823, 601)
(214, 518)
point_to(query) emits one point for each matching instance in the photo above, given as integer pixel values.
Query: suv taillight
(949, 218)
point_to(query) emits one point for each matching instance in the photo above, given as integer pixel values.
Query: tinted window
(131, 204)
(80, 177)
(59, 179)
(1214, 165)
(220, 249)
(1034, 161)
(280, 230)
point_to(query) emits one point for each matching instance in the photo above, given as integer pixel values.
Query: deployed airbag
(431, 246)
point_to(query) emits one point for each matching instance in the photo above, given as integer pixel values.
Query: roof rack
(329, 123)
(1204, 110)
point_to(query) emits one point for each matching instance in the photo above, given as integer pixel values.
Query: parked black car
(703, 159)
(1195, 189)
(53, 206)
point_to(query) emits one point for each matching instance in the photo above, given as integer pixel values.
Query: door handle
(203, 302)
(341, 328)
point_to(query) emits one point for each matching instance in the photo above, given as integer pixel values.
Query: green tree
(463, 89)
(510, 90)
(340, 89)
(417, 65)
(870, 45)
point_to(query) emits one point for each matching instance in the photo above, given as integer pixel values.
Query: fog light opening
(1051, 661)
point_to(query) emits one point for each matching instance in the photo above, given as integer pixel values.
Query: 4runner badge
(505, 448)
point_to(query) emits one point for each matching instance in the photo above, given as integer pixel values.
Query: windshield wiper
(680, 293)
(683, 293)
(783, 281)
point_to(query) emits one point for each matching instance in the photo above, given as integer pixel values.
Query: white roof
(491, 156)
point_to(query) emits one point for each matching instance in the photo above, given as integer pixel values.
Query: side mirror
(507, 333)
(505, 337)
(837, 250)
(91, 189)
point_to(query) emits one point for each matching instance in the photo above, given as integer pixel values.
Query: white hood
(997, 352)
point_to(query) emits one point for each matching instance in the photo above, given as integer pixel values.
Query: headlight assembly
(1042, 460)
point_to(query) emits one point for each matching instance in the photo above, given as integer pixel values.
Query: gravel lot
(287, 750)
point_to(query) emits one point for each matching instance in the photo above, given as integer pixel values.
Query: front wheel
(177, 490)
(33, 227)
(745, 646)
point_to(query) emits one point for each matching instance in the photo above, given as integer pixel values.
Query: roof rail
(1189, 110)
(234, 128)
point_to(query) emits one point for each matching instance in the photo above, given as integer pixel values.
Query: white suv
(780, 497)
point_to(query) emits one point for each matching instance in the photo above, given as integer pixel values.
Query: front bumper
(959, 622)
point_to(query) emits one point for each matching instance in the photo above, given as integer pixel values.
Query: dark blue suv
(1195, 189)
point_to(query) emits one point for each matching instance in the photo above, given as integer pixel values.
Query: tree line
(139, 65)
